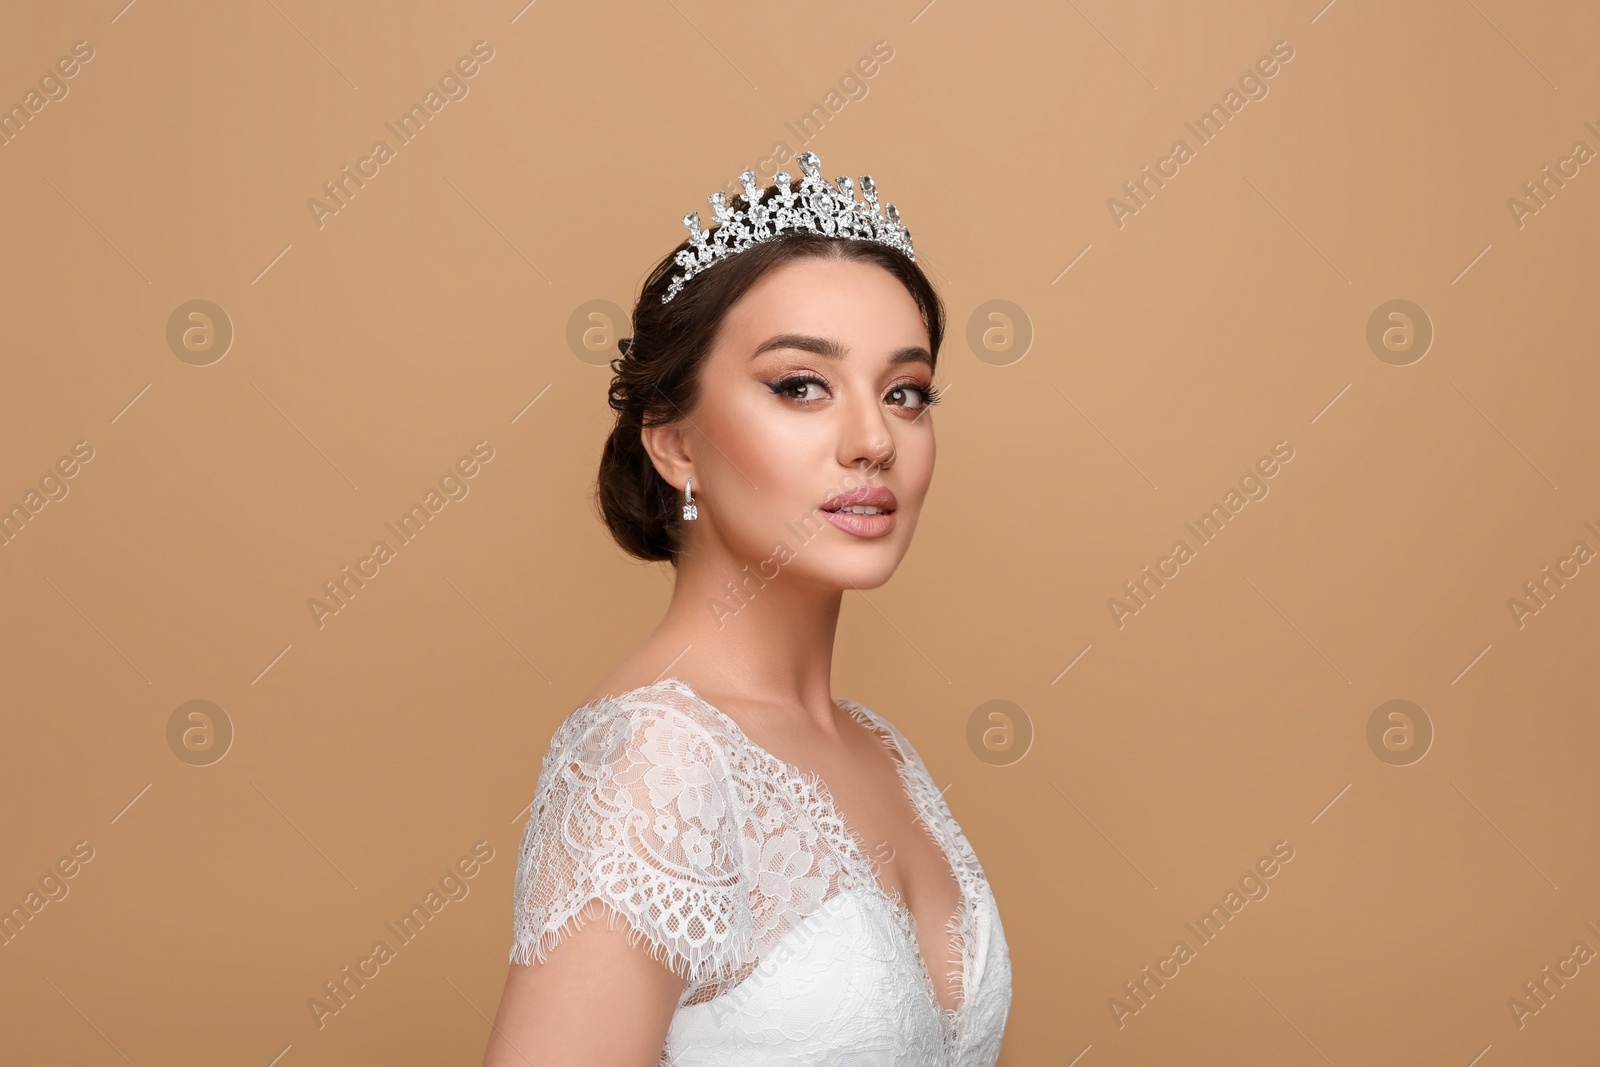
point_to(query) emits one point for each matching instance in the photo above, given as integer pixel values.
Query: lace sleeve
(634, 808)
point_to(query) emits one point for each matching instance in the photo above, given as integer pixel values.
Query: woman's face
(815, 386)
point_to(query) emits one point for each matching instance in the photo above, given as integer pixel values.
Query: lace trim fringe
(959, 927)
(531, 949)
(698, 968)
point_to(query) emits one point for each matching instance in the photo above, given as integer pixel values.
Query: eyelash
(930, 395)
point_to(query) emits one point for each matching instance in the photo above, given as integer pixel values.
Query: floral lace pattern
(736, 870)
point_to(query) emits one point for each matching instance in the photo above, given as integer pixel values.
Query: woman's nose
(865, 438)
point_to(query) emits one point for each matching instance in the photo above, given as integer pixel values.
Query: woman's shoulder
(660, 723)
(635, 807)
(897, 739)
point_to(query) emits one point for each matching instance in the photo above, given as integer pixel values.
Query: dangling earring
(689, 510)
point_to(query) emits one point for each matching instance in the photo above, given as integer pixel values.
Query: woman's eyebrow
(827, 346)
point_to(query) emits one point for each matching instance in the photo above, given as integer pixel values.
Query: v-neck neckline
(818, 788)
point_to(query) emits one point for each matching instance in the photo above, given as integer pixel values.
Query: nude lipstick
(866, 511)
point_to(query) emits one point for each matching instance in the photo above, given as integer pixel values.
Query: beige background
(1229, 313)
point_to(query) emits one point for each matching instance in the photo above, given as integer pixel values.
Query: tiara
(816, 207)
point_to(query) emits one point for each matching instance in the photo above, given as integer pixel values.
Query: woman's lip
(869, 495)
(862, 525)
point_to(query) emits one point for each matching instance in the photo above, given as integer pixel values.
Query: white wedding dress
(738, 872)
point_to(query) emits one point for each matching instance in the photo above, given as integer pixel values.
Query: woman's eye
(807, 389)
(907, 396)
(800, 388)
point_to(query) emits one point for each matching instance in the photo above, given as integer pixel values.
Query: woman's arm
(595, 1000)
(631, 884)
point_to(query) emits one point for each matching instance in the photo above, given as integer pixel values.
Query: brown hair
(656, 379)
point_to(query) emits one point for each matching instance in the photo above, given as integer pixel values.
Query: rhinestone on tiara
(815, 207)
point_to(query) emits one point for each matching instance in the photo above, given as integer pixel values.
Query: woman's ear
(668, 447)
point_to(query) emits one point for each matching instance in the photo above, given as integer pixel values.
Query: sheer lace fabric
(736, 871)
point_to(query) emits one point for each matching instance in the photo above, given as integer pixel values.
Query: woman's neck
(758, 633)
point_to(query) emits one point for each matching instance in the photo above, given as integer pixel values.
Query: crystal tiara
(816, 207)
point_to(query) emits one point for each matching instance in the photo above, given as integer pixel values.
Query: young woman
(782, 882)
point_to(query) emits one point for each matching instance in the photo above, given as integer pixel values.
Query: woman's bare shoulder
(617, 684)
(639, 671)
